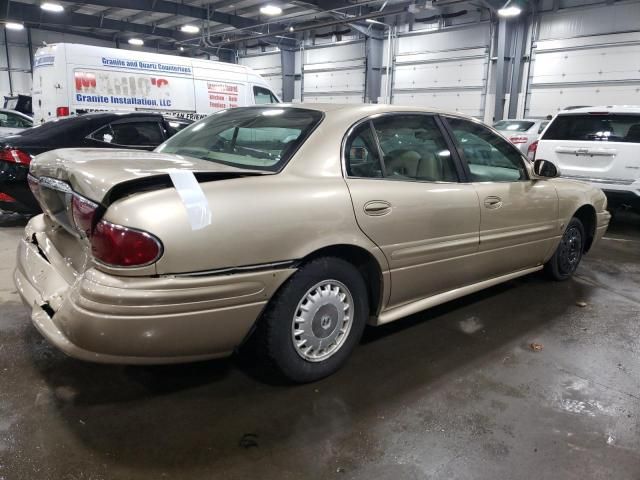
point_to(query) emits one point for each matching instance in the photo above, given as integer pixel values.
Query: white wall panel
(334, 74)
(269, 66)
(444, 69)
(586, 56)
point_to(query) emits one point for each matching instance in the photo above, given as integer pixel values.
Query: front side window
(598, 127)
(253, 138)
(263, 96)
(414, 148)
(490, 157)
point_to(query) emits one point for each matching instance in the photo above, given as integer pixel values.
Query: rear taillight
(517, 140)
(62, 112)
(34, 186)
(119, 246)
(83, 212)
(14, 155)
(6, 198)
(531, 151)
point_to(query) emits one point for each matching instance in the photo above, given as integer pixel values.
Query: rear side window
(513, 125)
(263, 96)
(594, 127)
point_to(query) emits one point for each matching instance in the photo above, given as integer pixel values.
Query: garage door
(268, 65)
(581, 69)
(444, 70)
(334, 74)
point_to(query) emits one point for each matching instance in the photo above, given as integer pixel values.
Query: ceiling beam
(34, 15)
(173, 8)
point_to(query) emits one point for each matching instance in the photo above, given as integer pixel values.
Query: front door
(518, 216)
(405, 188)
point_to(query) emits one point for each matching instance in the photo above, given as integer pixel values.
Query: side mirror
(545, 169)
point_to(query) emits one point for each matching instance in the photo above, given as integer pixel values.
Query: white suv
(600, 145)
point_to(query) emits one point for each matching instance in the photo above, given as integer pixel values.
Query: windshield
(513, 125)
(258, 138)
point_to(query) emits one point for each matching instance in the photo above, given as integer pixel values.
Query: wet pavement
(456, 392)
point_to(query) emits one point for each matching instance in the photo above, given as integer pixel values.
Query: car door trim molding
(419, 305)
(241, 269)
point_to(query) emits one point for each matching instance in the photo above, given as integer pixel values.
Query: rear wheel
(567, 256)
(315, 321)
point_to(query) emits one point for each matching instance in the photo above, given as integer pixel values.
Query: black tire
(566, 258)
(274, 335)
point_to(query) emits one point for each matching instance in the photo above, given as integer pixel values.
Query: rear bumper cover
(138, 320)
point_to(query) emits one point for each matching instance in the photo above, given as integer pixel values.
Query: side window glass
(103, 134)
(542, 125)
(414, 149)
(263, 96)
(361, 154)
(490, 157)
(144, 134)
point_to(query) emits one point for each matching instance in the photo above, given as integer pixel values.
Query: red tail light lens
(531, 151)
(6, 198)
(84, 212)
(14, 155)
(62, 112)
(120, 246)
(517, 140)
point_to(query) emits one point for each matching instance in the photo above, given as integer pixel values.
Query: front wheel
(567, 256)
(315, 321)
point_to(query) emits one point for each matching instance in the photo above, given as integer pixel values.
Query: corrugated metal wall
(585, 56)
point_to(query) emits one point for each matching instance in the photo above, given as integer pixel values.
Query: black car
(137, 130)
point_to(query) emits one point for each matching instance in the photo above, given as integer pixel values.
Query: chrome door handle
(493, 202)
(377, 208)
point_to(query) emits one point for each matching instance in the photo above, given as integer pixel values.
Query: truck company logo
(42, 60)
(142, 65)
(121, 88)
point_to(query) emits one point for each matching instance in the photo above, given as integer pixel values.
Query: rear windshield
(513, 125)
(257, 138)
(595, 127)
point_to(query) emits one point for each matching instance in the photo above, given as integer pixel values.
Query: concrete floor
(453, 393)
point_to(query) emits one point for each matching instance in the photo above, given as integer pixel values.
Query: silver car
(522, 133)
(12, 121)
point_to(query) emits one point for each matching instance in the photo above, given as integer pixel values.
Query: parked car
(521, 133)
(140, 131)
(12, 122)
(289, 226)
(600, 145)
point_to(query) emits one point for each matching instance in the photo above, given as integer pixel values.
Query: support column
(500, 71)
(519, 51)
(288, 65)
(373, 82)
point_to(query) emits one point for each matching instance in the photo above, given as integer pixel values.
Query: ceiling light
(136, 41)
(52, 7)
(189, 29)
(371, 20)
(182, 49)
(271, 10)
(509, 11)
(14, 26)
(291, 29)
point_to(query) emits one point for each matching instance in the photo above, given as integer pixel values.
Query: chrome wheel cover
(570, 250)
(322, 321)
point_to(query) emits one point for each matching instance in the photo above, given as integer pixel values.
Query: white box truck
(72, 79)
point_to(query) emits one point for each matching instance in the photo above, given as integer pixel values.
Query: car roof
(607, 108)
(360, 108)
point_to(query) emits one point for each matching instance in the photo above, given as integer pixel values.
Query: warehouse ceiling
(221, 23)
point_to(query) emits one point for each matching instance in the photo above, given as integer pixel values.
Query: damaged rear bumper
(103, 318)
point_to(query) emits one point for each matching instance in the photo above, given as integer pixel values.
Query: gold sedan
(292, 226)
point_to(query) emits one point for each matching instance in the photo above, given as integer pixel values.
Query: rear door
(518, 216)
(597, 146)
(404, 184)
